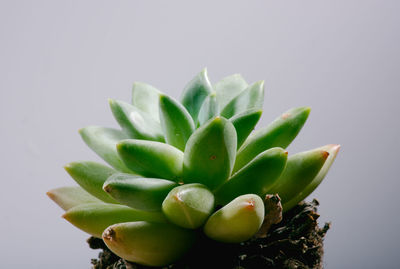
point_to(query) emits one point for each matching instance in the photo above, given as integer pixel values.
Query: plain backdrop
(61, 60)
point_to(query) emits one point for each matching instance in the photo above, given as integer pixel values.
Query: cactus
(182, 168)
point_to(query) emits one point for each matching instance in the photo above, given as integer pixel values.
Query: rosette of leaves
(180, 168)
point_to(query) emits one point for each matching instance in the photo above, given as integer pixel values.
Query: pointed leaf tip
(188, 205)
(107, 188)
(139, 193)
(293, 112)
(280, 133)
(176, 122)
(68, 197)
(300, 171)
(334, 147)
(237, 221)
(250, 98)
(228, 88)
(195, 92)
(162, 97)
(333, 150)
(147, 243)
(210, 153)
(244, 124)
(91, 177)
(136, 123)
(145, 98)
(102, 141)
(50, 195)
(151, 159)
(95, 218)
(208, 109)
(256, 177)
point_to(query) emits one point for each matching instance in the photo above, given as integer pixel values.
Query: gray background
(61, 60)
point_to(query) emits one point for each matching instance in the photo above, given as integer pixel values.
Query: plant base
(295, 242)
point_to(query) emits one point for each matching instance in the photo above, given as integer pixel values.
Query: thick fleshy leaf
(189, 205)
(137, 192)
(251, 98)
(256, 177)
(280, 133)
(135, 123)
(210, 153)
(151, 244)
(228, 88)
(237, 221)
(68, 197)
(209, 109)
(300, 170)
(103, 141)
(244, 124)
(95, 218)
(176, 122)
(151, 159)
(91, 177)
(333, 150)
(195, 92)
(145, 97)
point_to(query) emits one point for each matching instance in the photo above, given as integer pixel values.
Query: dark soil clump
(295, 242)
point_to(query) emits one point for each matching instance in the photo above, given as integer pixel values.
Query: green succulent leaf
(280, 133)
(136, 123)
(228, 88)
(333, 150)
(251, 98)
(91, 177)
(238, 221)
(68, 197)
(103, 141)
(174, 162)
(189, 205)
(244, 124)
(146, 243)
(195, 92)
(151, 159)
(139, 193)
(95, 218)
(176, 122)
(145, 97)
(300, 170)
(210, 153)
(209, 109)
(257, 177)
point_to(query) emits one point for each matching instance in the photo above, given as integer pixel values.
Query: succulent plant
(179, 169)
